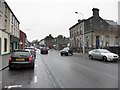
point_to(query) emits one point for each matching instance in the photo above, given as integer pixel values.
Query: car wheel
(61, 54)
(105, 58)
(71, 54)
(10, 67)
(90, 56)
(32, 67)
(66, 54)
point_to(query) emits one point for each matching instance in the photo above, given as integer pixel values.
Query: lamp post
(83, 32)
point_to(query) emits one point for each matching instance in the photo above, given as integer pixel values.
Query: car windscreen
(19, 54)
(29, 48)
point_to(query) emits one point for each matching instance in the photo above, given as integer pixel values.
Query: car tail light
(33, 50)
(10, 59)
(30, 59)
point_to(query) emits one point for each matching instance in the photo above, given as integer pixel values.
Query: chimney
(95, 11)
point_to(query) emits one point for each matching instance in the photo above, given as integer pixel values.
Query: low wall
(4, 59)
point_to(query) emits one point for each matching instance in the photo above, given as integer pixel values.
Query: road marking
(54, 85)
(35, 65)
(14, 86)
(111, 76)
(35, 79)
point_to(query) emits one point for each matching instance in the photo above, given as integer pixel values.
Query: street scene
(59, 44)
(55, 71)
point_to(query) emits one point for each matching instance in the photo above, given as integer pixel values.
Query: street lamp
(83, 32)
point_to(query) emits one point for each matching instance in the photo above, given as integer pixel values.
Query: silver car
(103, 54)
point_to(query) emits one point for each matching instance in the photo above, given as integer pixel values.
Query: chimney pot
(95, 11)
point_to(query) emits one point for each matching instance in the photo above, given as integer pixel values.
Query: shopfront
(14, 43)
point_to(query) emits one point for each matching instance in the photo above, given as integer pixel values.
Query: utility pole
(83, 43)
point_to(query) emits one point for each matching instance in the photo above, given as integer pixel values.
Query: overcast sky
(39, 18)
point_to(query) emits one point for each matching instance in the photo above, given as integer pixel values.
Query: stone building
(49, 41)
(60, 42)
(94, 32)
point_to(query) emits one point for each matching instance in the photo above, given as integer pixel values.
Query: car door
(96, 54)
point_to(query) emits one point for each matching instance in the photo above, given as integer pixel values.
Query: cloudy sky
(39, 18)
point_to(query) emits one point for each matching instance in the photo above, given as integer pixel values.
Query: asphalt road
(55, 71)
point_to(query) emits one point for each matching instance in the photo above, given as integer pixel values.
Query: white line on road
(35, 66)
(14, 86)
(35, 79)
(111, 76)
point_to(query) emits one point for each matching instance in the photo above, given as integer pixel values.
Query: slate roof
(111, 22)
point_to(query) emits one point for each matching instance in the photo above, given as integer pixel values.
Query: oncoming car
(21, 58)
(66, 51)
(44, 50)
(103, 54)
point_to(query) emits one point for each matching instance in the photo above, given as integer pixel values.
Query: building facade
(1, 14)
(94, 32)
(60, 42)
(9, 29)
(23, 40)
(5, 27)
(119, 12)
(119, 21)
(49, 41)
(14, 32)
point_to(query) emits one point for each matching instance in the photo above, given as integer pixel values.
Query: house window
(116, 41)
(0, 22)
(90, 21)
(107, 41)
(80, 30)
(101, 22)
(12, 29)
(5, 24)
(5, 44)
(5, 9)
(12, 19)
(0, 3)
(16, 45)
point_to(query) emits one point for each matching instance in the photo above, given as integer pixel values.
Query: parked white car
(103, 54)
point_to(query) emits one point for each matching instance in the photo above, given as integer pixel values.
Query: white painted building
(9, 29)
(4, 28)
